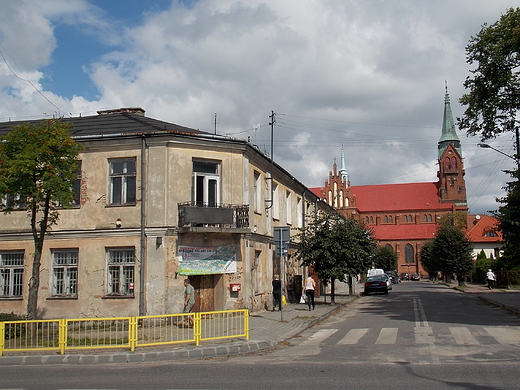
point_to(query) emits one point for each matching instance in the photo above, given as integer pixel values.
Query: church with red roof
(403, 216)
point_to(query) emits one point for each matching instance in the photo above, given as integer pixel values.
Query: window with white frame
(122, 181)
(121, 271)
(299, 212)
(65, 273)
(206, 183)
(11, 274)
(257, 193)
(288, 207)
(276, 202)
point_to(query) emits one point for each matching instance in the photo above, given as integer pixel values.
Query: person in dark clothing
(277, 292)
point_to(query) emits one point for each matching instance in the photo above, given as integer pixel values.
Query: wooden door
(204, 292)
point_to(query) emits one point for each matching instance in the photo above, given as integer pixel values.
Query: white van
(375, 271)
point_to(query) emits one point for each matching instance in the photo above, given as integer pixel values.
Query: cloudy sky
(365, 75)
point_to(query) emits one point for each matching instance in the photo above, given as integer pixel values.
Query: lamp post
(487, 146)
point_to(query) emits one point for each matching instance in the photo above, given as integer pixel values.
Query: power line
(21, 78)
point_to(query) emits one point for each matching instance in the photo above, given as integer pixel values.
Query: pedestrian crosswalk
(453, 335)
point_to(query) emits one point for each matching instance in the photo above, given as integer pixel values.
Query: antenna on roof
(215, 123)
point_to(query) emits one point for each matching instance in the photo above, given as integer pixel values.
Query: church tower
(452, 186)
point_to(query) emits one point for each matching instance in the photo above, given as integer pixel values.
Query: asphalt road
(418, 335)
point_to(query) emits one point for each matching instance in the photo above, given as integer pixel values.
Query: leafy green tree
(508, 216)
(429, 262)
(493, 101)
(336, 248)
(38, 166)
(452, 249)
(457, 218)
(385, 258)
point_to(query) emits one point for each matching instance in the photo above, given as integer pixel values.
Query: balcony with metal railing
(194, 216)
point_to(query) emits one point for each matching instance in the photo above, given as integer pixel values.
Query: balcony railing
(192, 214)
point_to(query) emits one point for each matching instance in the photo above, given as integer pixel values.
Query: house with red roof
(403, 216)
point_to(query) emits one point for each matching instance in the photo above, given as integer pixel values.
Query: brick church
(403, 216)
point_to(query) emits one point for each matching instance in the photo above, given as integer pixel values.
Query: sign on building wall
(207, 260)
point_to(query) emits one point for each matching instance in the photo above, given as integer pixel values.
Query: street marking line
(505, 336)
(319, 336)
(463, 336)
(423, 335)
(387, 336)
(353, 336)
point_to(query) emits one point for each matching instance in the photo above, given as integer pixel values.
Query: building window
(65, 273)
(76, 187)
(389, 247)
(257, 193)
(386, 218)
(121, 270)
(391, 219)
(299, 212)
(122, 181)
(206, 183)
(276, 202)
(288, 207)
(409, 254)
(11, 274)
(371, 220)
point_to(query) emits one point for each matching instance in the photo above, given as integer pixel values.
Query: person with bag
(277, 292)
(308, 288)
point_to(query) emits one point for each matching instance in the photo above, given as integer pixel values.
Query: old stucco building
(156, 203)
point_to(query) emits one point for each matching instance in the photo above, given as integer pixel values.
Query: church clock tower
(452, 186)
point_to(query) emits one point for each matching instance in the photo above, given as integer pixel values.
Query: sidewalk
(266, 330)
(506, 299)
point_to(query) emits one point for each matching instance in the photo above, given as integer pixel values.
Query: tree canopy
(508, 216)
(38, 166)
(493, 99)
(336, 248)
(385, 258)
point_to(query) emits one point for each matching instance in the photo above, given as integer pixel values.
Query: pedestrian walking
(490, 277)
(277, 292)
(308, 289)
(189, 300)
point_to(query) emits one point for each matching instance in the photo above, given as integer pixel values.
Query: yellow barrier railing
(122, 332)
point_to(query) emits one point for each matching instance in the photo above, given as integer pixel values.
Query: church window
(408, 254)
(391, 219)
(453, 163)
(389, 247)
(447, 164)
(386, 218)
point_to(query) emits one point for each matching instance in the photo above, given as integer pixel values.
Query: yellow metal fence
(122, 332)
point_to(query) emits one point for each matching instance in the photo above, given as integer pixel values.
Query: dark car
(415, 277)
(376, 283)
(393, 276)
(405, 276)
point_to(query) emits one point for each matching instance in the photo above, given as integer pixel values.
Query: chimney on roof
(131, 110)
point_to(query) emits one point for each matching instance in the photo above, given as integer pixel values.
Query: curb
(513, 310)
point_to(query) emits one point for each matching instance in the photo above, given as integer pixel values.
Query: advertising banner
(207, 260)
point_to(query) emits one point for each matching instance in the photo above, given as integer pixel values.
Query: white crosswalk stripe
(424, 335)
(353, 336)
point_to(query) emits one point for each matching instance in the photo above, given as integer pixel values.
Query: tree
(336, 248)
(493, 100)
(38, 166)
(385, 258)
(429, 262)
(508, 216)
(452, 250)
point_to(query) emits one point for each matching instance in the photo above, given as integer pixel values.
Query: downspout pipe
(142, 271)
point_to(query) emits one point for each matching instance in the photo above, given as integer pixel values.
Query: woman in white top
(308, 288)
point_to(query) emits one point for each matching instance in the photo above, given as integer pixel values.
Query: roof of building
(423, 231)
(121, 121)
(483, 228)
(398, 197)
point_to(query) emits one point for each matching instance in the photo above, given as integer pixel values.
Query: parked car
(376, 283)
(388, 281)
(405, 276)
(393, 276)
(415, 277)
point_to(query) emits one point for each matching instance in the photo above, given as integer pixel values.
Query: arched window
(390, 219)
(425, 218)
(405, 218)
(447, 164)
(410, 218)
(367, 220)
(330, 198)
(386, 218)
(389, 247)
(429, 217)
(341, 199)
(453, 163)
(371, 219)
(408, 254)
(347, 203)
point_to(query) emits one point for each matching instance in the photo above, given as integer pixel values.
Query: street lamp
(487, 146)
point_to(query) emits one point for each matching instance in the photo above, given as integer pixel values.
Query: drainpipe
(142, 308)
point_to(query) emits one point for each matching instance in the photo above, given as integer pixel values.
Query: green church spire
(449, 134)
